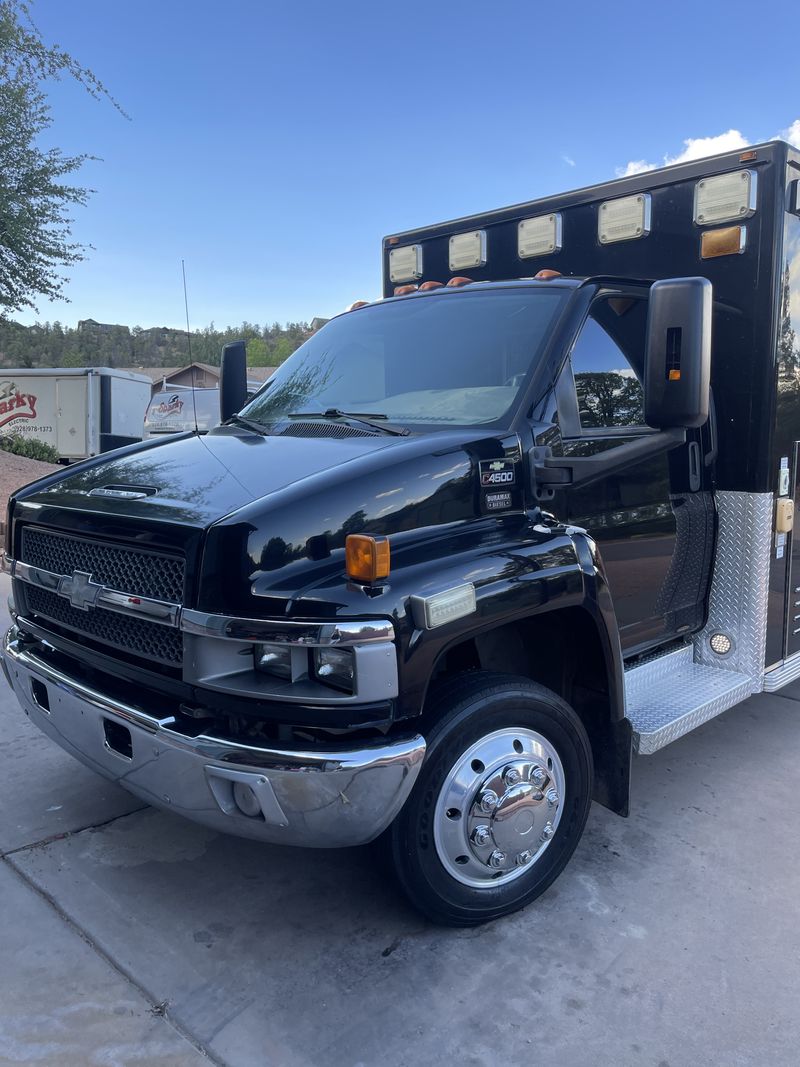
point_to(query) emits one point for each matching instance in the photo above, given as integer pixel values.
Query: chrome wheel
(499, 807)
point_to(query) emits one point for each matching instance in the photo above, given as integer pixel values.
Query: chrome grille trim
(286, 631)
(163, 612)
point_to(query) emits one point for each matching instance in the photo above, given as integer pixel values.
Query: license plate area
(118, 739)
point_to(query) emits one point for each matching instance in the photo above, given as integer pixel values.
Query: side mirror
(677, 367)
(232, 379)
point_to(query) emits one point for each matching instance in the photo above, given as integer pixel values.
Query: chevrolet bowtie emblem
(498, 465)
(79, 588)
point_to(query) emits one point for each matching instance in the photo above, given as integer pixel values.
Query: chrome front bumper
(318, 799)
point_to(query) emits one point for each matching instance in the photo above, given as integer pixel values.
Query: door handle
(784, 515)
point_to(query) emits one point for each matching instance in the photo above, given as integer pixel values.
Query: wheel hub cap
(499, 807)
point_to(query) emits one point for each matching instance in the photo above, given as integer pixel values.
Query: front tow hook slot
(118, 739)
(241, 793)
(39, 694)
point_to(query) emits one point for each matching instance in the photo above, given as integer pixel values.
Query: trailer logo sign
(173, 405)
(14, 404)
(496, 473)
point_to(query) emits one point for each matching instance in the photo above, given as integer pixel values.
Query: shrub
(29, 447)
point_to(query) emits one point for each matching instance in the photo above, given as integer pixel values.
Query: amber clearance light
(727, 242)
(366, 558)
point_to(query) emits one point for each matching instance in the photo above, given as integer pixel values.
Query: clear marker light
(405, 264)
(539, 237)
(725, 197)
(432, 611)
(467, 250)
(625, 219)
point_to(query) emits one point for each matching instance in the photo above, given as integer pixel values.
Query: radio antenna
(189, 340)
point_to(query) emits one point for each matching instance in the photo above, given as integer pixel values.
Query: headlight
(274, 659)
(336, 667)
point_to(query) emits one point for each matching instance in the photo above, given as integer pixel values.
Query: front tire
(500, 803)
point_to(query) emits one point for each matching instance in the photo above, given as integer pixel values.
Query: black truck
(474, 544)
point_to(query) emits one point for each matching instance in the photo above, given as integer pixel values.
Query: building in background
(199, 375)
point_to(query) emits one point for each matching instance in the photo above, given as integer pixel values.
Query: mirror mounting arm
(550, 472)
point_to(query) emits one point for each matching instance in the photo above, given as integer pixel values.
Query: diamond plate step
(668, 697)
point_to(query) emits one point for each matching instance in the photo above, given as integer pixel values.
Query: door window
(606, 364)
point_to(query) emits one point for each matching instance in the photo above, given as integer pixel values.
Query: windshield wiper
(366, 418)
(248, 424)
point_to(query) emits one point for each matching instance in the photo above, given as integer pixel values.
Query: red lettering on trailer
(14, 404)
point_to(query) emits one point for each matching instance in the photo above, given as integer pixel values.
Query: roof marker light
(468, 250)
(625, 219)
(546, 275)
(725, 197)
(539, 237)
(430, 285)
(458, 281)
(405, 264)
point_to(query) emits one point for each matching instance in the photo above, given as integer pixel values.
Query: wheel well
(561, 650)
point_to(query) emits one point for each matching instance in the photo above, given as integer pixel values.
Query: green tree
(257, 353)
(606, 398)
(282, 349)
(35, 194)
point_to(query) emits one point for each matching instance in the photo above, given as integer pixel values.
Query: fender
(553, 571)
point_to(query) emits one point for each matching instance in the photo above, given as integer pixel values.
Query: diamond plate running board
(667, 697)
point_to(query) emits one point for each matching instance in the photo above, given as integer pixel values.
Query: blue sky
(272, 145)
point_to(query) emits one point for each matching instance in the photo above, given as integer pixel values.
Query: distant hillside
(101, 344)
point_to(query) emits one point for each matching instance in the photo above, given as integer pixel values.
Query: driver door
(648, 522)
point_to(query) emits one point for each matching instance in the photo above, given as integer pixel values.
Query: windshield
(453, 358)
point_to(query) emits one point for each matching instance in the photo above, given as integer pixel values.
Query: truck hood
(267, 517)
(195, 480)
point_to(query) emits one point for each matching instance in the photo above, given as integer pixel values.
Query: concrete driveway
(673, 937)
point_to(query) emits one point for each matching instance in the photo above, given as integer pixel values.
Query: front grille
(128, 570)
(142, 638)
(136, 571)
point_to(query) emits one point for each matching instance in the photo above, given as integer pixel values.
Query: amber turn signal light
(366, 558)
(727, 242)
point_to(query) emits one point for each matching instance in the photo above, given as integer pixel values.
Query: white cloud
(569, 161)
(636, 166)
(694, 148)
(699, 147)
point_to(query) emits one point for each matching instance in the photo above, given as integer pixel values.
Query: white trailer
(80, 411)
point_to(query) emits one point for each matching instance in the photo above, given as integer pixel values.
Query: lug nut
(537, 775)
(511, 775)
(497, 858)
(547, 831)
(481, 835)
(488, 800)
(552, 796)
(524, 857)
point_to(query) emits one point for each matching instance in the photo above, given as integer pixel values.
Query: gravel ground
(16, 471)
